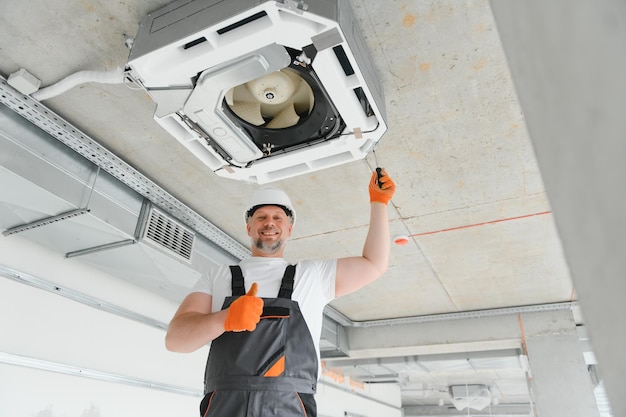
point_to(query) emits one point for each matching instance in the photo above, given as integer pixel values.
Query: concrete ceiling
(469, 195)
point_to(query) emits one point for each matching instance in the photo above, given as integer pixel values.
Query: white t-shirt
(314, 285)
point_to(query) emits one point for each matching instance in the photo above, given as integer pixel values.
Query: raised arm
(358, 271)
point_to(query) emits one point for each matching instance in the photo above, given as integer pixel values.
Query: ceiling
(470, 196)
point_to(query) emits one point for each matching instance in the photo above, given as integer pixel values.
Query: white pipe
(115, 76)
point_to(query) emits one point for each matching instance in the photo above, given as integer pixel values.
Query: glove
(385, 191)
(245, 312)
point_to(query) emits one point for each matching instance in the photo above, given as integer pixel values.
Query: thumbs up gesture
(245, 312)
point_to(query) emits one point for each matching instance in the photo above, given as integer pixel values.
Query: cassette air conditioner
(261, 91)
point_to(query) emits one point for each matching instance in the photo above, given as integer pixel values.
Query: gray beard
(267, 248)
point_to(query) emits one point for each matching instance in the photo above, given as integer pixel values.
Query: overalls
(269, 372)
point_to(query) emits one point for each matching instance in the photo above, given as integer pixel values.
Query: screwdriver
(379, 170)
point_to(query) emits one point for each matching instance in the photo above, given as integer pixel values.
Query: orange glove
(385, 191)
(245, 312)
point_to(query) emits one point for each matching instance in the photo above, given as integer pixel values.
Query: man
(263, 317)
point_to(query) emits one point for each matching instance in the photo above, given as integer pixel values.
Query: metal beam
(46, 221)
(403, 360)
(459, 335)
(470, 314)
(489, 329)
(500, 410)
(82, 372)
(94, 302)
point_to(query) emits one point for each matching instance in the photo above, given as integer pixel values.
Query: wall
(567, 61)
(85, 351)
(45, 326)
(344, 398)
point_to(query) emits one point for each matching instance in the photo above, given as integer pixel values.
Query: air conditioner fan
(274, 101)
(283, 109)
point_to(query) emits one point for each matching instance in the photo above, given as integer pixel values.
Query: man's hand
(245, 312)
(385, 191)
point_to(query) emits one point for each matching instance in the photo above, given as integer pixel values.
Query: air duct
(56, 198)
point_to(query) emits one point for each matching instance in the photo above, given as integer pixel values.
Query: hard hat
(271, 196)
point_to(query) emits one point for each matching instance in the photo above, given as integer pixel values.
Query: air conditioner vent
(365, 104)
(168, 234)
(194, 42)
(242, 22)
(340, 53)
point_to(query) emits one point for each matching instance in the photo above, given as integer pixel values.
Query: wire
(365, 131)
(93, 186)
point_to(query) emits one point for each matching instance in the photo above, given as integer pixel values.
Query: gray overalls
(269, 372)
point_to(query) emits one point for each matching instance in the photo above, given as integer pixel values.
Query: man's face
(269, 228)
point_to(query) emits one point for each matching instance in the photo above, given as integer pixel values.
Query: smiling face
(269, 228)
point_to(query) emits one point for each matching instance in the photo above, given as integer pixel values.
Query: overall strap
(286, 286)
(237, 283)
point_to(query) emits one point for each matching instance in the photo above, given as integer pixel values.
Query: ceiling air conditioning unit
(261, 90)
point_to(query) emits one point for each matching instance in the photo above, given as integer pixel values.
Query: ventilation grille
(170, 235)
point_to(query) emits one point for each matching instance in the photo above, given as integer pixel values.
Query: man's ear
(248, 228)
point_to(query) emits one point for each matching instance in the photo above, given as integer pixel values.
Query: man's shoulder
(214, 270)
(317, 266)
(309, 263)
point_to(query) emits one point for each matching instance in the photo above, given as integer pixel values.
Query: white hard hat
(270, 196)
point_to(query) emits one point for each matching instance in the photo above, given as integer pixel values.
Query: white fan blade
(241, 93)
(303, 98)
(250, 112)
(286, 118)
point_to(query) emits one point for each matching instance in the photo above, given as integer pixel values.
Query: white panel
(31, 392)
(335, 400)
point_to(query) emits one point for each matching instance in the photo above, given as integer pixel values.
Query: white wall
(36, 324)
(30, 392)
(335, 399)
(45, 326)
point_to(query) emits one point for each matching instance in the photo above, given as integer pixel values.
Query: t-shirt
(314, 285)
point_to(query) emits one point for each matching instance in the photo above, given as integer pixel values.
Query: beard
(268, 248)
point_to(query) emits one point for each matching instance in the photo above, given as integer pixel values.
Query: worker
(263, 317)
